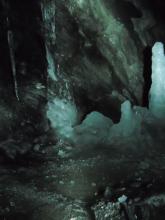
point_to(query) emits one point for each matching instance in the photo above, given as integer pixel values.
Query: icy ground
(83, 175)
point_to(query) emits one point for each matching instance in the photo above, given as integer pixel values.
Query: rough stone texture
(101, 48)
(107, 211)
(64, 210)
(47, 185)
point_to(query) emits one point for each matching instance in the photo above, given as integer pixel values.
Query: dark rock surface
(59, 182)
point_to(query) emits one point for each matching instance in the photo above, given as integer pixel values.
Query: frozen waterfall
(63, 116)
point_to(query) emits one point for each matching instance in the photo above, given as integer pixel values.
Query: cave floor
(60, 182)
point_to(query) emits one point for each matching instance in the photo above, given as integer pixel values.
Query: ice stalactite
(51, 65)
(10, 40)
(12, 58)
(48, 10)
(157, 91)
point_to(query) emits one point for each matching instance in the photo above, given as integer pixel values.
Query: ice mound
(63, 116)
(94, 130)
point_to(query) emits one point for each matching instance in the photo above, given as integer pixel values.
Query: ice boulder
(63, 116)
(93, 130)
(157, 91)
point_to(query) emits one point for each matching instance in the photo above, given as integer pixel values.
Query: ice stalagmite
(128, 123)
(157, 91)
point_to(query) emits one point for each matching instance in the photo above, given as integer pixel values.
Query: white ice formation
(63, 116)
(51, 66)
(96, 129)
(157, 91)
(128, 122)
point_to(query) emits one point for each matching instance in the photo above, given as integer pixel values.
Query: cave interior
(82, 110)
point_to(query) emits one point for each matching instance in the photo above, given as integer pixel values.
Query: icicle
(51, 66)
(48, 10)
(12, 58)
(48, 14)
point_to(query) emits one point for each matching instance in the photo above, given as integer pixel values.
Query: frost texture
(157, 91)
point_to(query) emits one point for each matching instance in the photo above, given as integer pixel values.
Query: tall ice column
(157, 91)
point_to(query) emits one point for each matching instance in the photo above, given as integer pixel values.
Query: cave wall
(25, 113)
(101, 48)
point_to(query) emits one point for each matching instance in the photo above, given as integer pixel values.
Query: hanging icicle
(5, 5)
(12, 58)
(48, 10)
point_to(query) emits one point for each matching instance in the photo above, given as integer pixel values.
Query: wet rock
(11, 149)
(66, 210)
(105, 211)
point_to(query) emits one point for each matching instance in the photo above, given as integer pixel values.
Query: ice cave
(82, 110)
